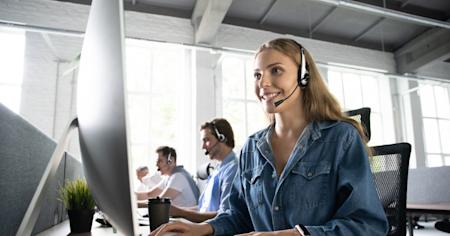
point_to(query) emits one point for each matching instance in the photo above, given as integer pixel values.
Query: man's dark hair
(165, 150)
(222, 127)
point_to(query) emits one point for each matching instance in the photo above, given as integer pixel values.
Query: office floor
(429, 230)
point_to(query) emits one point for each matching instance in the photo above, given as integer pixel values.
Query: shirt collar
(229, 158)
(312, 130)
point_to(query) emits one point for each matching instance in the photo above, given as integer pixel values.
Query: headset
(302, 75)
(303, 71)
(169, 157)
(219, 135)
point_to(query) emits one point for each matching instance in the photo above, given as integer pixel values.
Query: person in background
(218, 142)
(176, 184)
(141, 172)
(308, 172)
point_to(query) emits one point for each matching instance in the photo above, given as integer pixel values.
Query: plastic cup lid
(159, 200)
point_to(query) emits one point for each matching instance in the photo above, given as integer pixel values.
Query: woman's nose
(265, 81)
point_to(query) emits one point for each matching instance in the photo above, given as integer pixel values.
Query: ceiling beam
(266, 14)
(322, 20)
(387, 13)
(207, 18)
(406, 2)
(368, 29)
(197, 13)
(430, 47)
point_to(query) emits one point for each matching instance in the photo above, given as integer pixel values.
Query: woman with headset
(308, 172)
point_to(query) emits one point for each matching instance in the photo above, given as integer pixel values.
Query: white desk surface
(64, 229)
(97, 230)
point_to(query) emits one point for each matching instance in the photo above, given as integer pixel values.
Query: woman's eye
(276, 70)
(257, 76)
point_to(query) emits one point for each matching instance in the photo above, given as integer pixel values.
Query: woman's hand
(287, 232)
(184, 229)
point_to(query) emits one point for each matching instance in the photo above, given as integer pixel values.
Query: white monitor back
(102, 117)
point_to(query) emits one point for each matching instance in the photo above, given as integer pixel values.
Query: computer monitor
(102, 118)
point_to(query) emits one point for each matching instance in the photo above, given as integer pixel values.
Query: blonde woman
(308, 172)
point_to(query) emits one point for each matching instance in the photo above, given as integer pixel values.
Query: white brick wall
(38, 88)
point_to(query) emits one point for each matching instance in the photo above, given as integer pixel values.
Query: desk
(64, 229)
(413, 209)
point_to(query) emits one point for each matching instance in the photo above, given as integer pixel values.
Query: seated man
(218, 143)
(176, 183)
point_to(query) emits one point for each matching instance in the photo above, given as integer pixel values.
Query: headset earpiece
(219, 136)
(303, 73)
(304, 81)
(169, 158)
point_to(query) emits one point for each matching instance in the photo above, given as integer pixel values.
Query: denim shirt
(326, 185)
(217, 192)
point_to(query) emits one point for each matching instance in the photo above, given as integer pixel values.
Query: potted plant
(80, 204)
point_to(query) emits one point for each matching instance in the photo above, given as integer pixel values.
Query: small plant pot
(80, 220)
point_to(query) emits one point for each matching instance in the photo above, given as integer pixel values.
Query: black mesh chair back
(362, 115)
(389, 164)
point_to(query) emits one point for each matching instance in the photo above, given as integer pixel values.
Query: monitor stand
(34, 208)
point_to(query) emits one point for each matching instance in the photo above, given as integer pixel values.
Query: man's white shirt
(178, 182)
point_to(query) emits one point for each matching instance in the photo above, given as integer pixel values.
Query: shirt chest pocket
(310, 183)
(253, 186)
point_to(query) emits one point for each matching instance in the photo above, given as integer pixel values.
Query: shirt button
(276, 208)
(310, 174)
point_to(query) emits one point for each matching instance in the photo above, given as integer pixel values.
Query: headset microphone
(279, 102)
(214, 146)
(220, 137)
(302, 76)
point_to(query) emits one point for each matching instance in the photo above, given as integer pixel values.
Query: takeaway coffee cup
(158, 211)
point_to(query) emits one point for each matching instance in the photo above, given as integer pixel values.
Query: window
(239, 103)
(156, 98)
(12, 48)
(355, 89)
(435, 104)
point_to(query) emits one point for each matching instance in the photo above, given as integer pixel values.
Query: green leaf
(76, 195)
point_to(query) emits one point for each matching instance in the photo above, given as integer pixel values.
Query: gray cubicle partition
(429, 185)
(24, 154)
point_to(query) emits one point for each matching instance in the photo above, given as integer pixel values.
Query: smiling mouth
(269, 96)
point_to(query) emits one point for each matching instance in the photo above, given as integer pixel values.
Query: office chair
(362, 115)
(389, 165)
(204, 171)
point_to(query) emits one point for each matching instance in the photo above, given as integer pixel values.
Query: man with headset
(176, 184)
(218, 143)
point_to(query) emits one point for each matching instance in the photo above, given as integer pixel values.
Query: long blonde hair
(318, 103)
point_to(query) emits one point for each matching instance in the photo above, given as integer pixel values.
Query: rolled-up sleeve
(359, 211)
